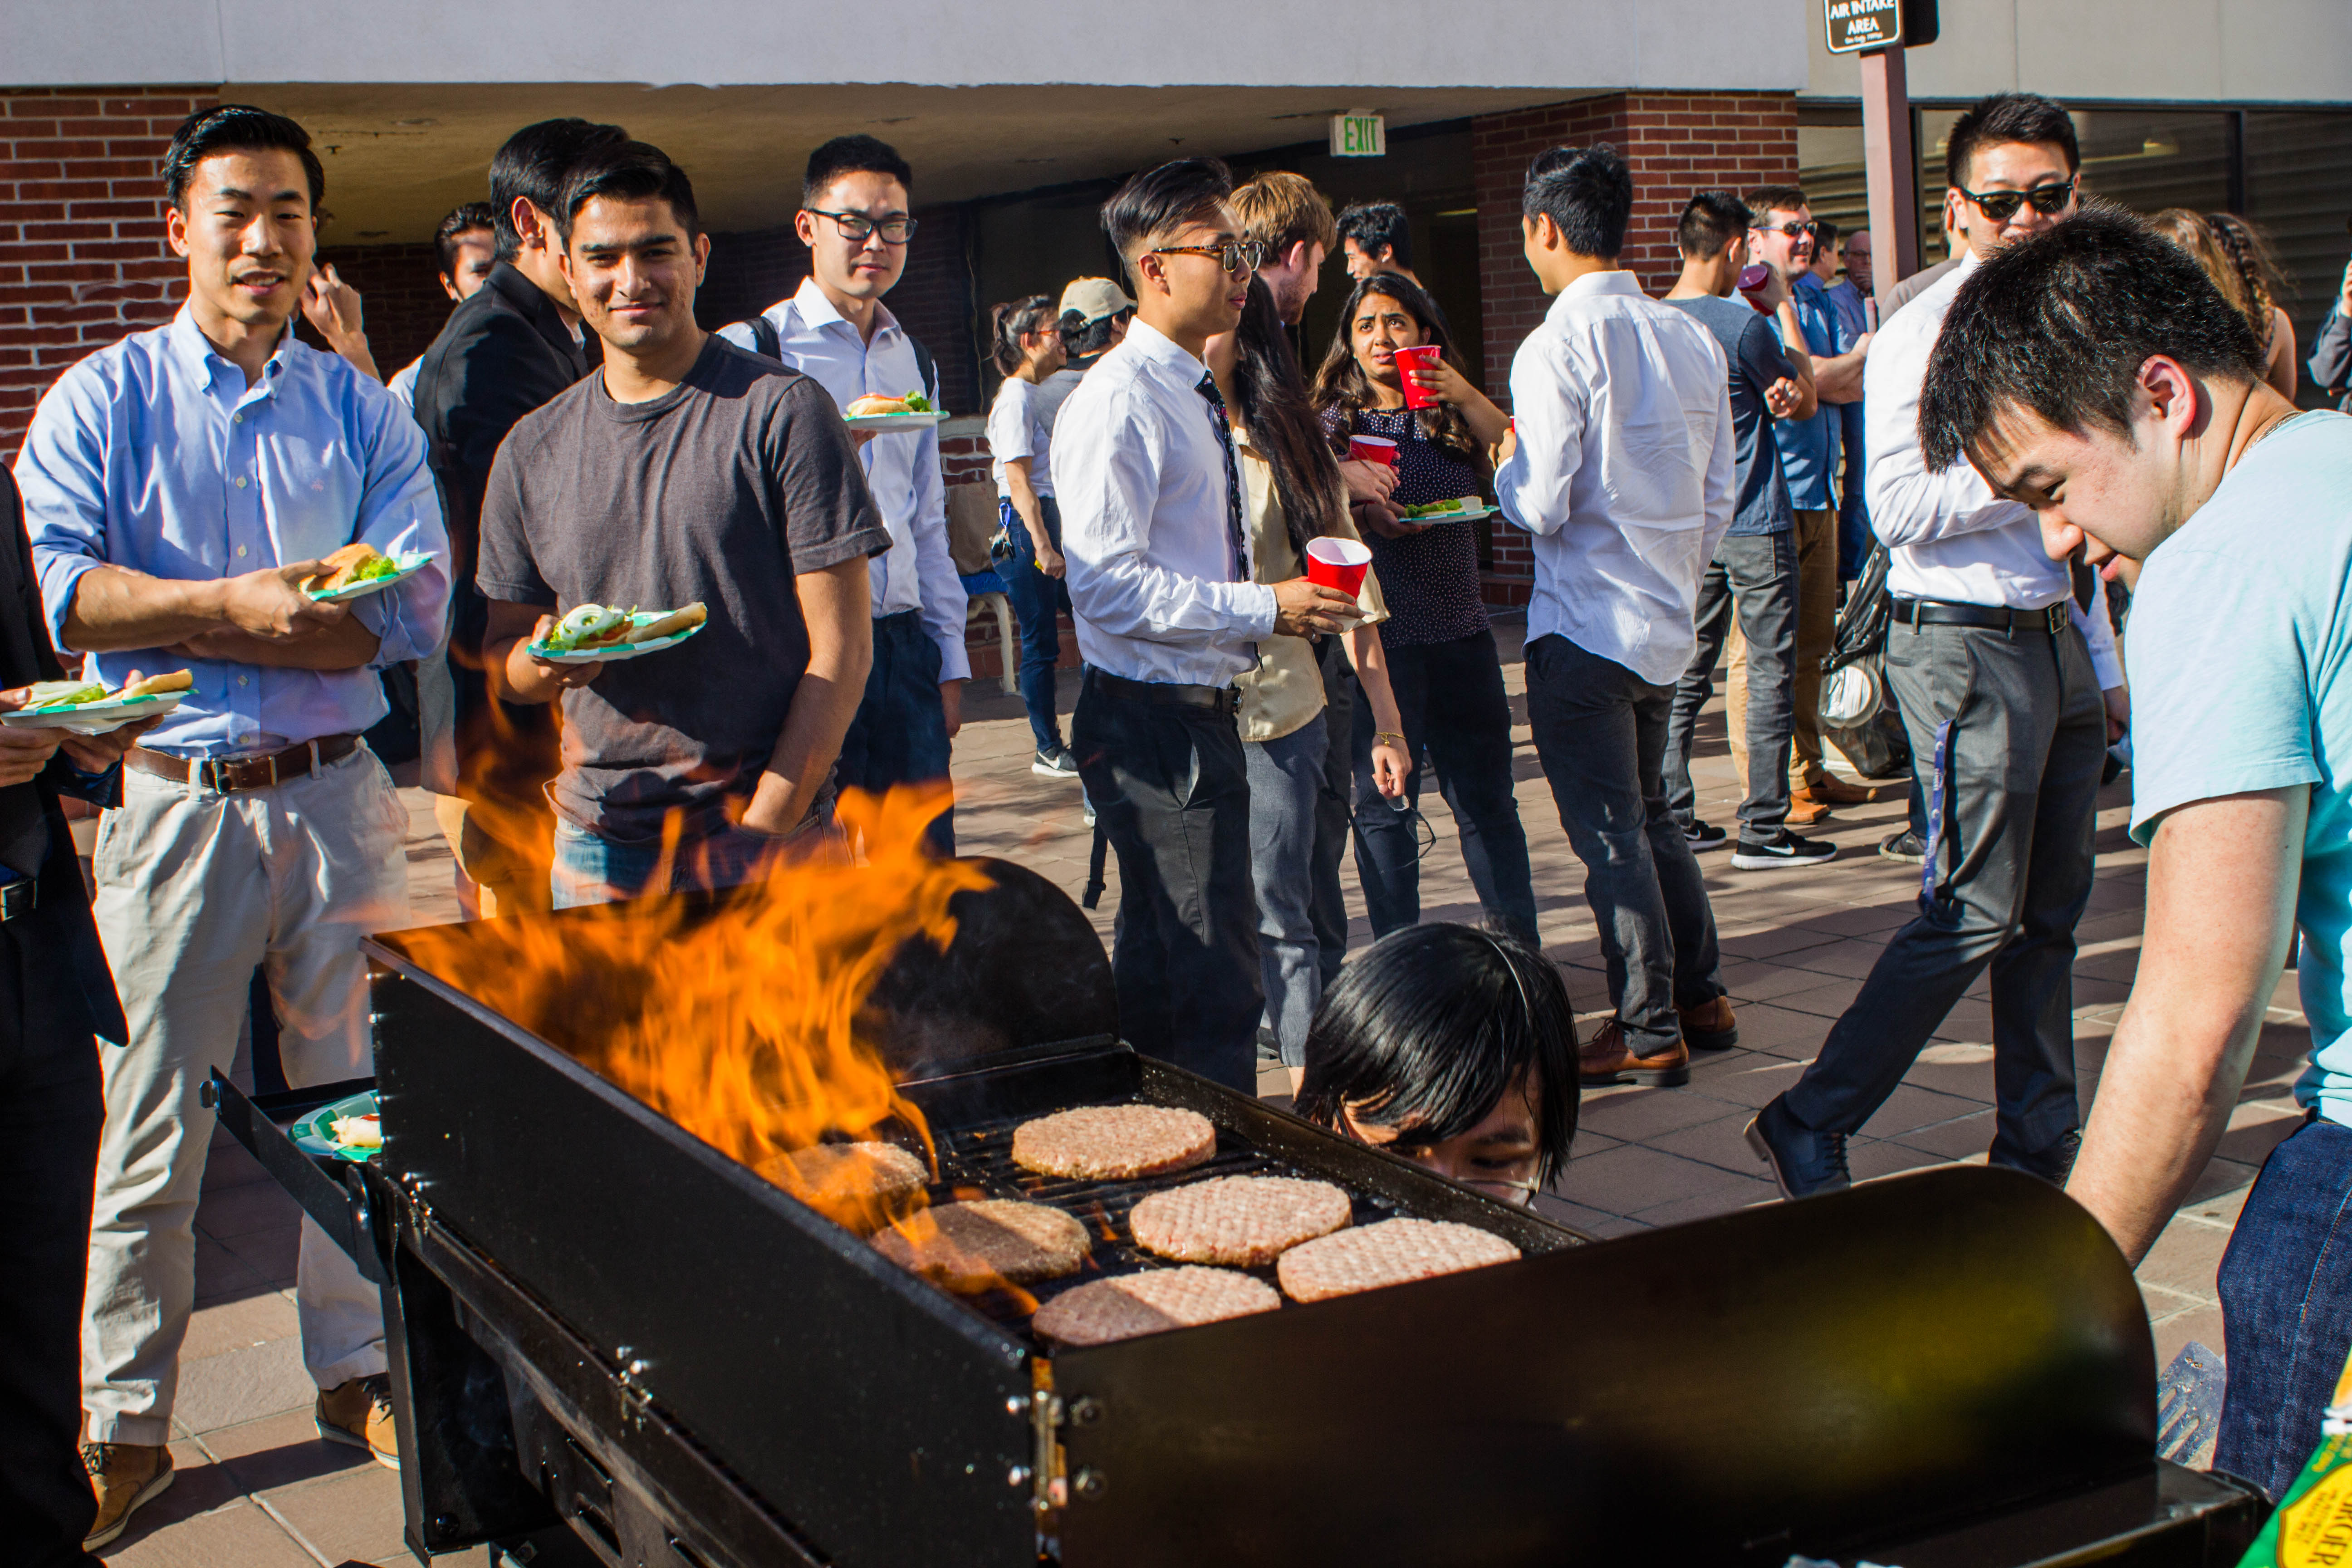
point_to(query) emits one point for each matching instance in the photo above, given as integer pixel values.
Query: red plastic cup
(1372, 449)
(1338, 563)
(1408, 361)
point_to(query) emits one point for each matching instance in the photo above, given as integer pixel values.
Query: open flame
(741, 1024)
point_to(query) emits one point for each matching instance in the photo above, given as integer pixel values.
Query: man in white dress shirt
(1167, 616)
(1999, 658)
(1624, 470)
(854, 218)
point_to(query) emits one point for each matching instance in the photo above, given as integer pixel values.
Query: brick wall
(752, 271)
(1677, 143)
(83, 254)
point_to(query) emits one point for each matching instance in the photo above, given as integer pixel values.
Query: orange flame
(741, 1024)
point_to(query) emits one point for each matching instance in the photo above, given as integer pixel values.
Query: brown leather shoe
(1709, 1025)
(1806, 808)
(125, 1476)
(1605, 1059)
(1831, 790)
(358, 1413)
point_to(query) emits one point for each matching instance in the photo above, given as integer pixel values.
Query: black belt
(1223, 698)
(2051, 618)
(19, 898)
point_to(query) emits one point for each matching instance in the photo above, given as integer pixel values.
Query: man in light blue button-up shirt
(180, 487)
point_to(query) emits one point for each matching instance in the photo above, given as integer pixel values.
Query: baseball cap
(1095, 298)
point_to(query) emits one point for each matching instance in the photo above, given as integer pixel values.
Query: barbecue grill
(598, 1320)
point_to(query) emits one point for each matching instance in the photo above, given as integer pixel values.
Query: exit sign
(1364, 136)
(1858, 25)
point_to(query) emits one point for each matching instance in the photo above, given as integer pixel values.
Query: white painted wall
(1570, 44)
(2081, 50)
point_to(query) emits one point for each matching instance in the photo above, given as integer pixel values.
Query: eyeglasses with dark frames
(2002, 206)
(1233, 256)
(857, 225)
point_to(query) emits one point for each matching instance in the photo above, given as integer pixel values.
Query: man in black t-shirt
(1755, 566)
(686, 470)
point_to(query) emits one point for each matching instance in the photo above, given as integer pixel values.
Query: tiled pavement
(256, 1489)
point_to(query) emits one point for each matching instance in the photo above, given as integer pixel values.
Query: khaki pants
(1816, 534)
(196, 888)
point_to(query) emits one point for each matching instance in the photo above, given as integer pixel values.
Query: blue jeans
(1037, 600)
(2286, 1306)
(900, 734)
(593, 870)
(1285, 785)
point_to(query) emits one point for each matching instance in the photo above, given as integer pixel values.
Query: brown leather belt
(227, 773)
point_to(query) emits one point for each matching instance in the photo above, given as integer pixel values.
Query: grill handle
(339, 1206)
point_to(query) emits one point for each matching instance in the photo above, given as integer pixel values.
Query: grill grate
(976, 1161)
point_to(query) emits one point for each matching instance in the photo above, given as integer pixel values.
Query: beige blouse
(1286, 689)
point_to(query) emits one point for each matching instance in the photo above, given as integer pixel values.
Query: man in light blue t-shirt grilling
(2093, 374)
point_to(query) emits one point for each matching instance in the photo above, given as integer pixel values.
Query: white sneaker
(1054, 764)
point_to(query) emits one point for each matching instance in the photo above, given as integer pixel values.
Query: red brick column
(83, 254)
(1678, 143)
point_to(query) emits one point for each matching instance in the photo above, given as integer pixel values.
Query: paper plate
(315, 1133)
(619, 651)
(1436, 518)
(94, 718)
(410, 562)
(894, 421)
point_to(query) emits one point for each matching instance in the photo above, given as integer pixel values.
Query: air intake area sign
(1857, 24)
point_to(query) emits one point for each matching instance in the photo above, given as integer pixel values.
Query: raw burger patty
(1245, 1221)
(843, 1176)
(1393, 1252)
(1146, 1303)
(968, 1247)
(1113, 1143)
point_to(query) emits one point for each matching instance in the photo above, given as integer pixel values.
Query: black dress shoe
(1803, 1161)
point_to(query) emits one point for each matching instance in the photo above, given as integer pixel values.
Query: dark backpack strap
(924, 368)
(765, 341)
(1095, 884)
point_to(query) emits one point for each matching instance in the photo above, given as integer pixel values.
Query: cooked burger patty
(1393, 1252)
(1146, 1303)
(968, 1247)
(1245, 1221)
(837, 1176)
(1113, 1143)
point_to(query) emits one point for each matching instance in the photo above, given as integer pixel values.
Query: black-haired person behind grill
(1455, 1048)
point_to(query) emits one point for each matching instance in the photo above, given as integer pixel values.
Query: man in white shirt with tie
(1167, 616)
(854, 218)
(2004, 666)
(1624, 470)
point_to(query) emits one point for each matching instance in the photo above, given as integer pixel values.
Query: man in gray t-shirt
(1754, 573)
(685, 470)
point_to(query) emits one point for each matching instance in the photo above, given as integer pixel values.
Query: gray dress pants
(2007, 736)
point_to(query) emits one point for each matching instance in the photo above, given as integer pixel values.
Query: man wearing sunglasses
(2003, 663)
(853, 219)
(1168, 614)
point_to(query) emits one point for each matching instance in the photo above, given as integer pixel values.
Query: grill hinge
(1050, 1489)
(637, 1399)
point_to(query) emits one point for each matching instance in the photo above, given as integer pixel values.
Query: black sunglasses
(2002, 206)
(1791, 229)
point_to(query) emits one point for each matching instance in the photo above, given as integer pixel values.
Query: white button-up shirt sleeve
(944, 602)
(1908, 505)
(2099, 631)
(1147, 607)
(1548, 411)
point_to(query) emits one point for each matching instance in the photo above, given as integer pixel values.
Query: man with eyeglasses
(1168, 614)
(1785, 238)
(1998, 657)
(853, 219)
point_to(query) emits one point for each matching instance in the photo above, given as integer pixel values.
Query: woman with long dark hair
(1025, 343)
(1443, 664)
(1292, 494)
